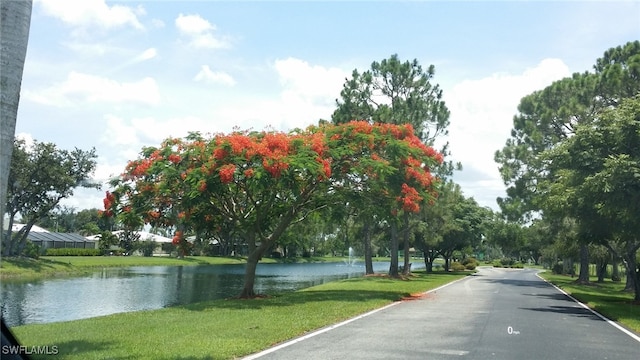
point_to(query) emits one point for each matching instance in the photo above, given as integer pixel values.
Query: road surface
(494, 314)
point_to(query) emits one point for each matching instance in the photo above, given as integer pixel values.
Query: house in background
(164, 245)
(54, 240)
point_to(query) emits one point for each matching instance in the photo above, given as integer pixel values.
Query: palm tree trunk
(15, 20)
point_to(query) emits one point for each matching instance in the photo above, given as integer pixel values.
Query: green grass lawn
(223, 329)
(51, 266)
(606, 298)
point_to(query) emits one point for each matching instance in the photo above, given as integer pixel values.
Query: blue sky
(120, 75)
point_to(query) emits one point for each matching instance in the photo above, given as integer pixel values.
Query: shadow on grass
(36, 265)
(296, 298)
(79, 347)
(355, 294)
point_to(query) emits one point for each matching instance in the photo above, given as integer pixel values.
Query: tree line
(572, 165)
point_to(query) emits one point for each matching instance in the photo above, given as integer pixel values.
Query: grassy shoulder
(223, 329)
(606, 298)
(52, 266)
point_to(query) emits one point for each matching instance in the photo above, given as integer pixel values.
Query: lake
(120, 290)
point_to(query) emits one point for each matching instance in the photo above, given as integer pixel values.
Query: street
(494, 314)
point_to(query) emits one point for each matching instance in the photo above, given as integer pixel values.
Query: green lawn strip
(606, 298)
(223, 329)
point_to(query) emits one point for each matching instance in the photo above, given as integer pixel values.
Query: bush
(507, 262)
(32, 250)
(73, 252)
(456, 266)
(147, 247)
(470, 263)
(557, 268)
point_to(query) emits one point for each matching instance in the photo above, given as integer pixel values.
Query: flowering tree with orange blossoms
(262, 182)
(392, 166)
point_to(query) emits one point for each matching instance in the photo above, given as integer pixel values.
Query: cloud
(200, 32)
(308, 92)
(88, 13)
(481, 120)
(82, 88)
(148, 54)
(206, 75)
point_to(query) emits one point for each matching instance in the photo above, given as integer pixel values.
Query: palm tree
(15, 20)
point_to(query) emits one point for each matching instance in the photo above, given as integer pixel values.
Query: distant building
(46, 239)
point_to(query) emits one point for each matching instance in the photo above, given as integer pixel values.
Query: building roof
(149, 236)
(35, 228)
(57, 237)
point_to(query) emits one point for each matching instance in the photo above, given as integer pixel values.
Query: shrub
(470, 263)
(507, 262)
(557, 268)
(73, 252)
(147, 247)
(31, 250)
(456, 266)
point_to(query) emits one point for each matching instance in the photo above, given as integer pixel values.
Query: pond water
(113, 291)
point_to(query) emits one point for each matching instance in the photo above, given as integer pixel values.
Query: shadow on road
(512, 282)
(567, 310)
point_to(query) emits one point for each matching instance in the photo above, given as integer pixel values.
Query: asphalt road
(495, 314)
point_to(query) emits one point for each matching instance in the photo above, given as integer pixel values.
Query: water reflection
(152, 287)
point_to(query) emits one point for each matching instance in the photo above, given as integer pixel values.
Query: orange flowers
(177, 238)
(411, 199)
(226, 173)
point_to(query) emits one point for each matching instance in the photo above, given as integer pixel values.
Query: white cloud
(86, 13)
(119, 133)
(148, 54)
(310, 82)
(218, 77)
(481, 119)
(200, 32)
(79, 87)
(308, 93)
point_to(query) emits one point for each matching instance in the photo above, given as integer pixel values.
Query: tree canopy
(262, 182)
(42, 175)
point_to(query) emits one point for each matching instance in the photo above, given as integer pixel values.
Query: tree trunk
(615, 272)
(406, 269)
(14, 35)
(368, 262)
(633, 275)
(601, 269)
(393, 266)
(446, 263)
(250, 276)
(633, 271)
(428, 262)
(583, 277)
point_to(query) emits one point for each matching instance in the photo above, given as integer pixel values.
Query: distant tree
(597, 181)
(548, 118)
(395, 92)
(42, 175)
(14, 36)
(66, 219)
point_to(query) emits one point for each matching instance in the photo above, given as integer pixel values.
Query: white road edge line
(331, 327)
(609, 321)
